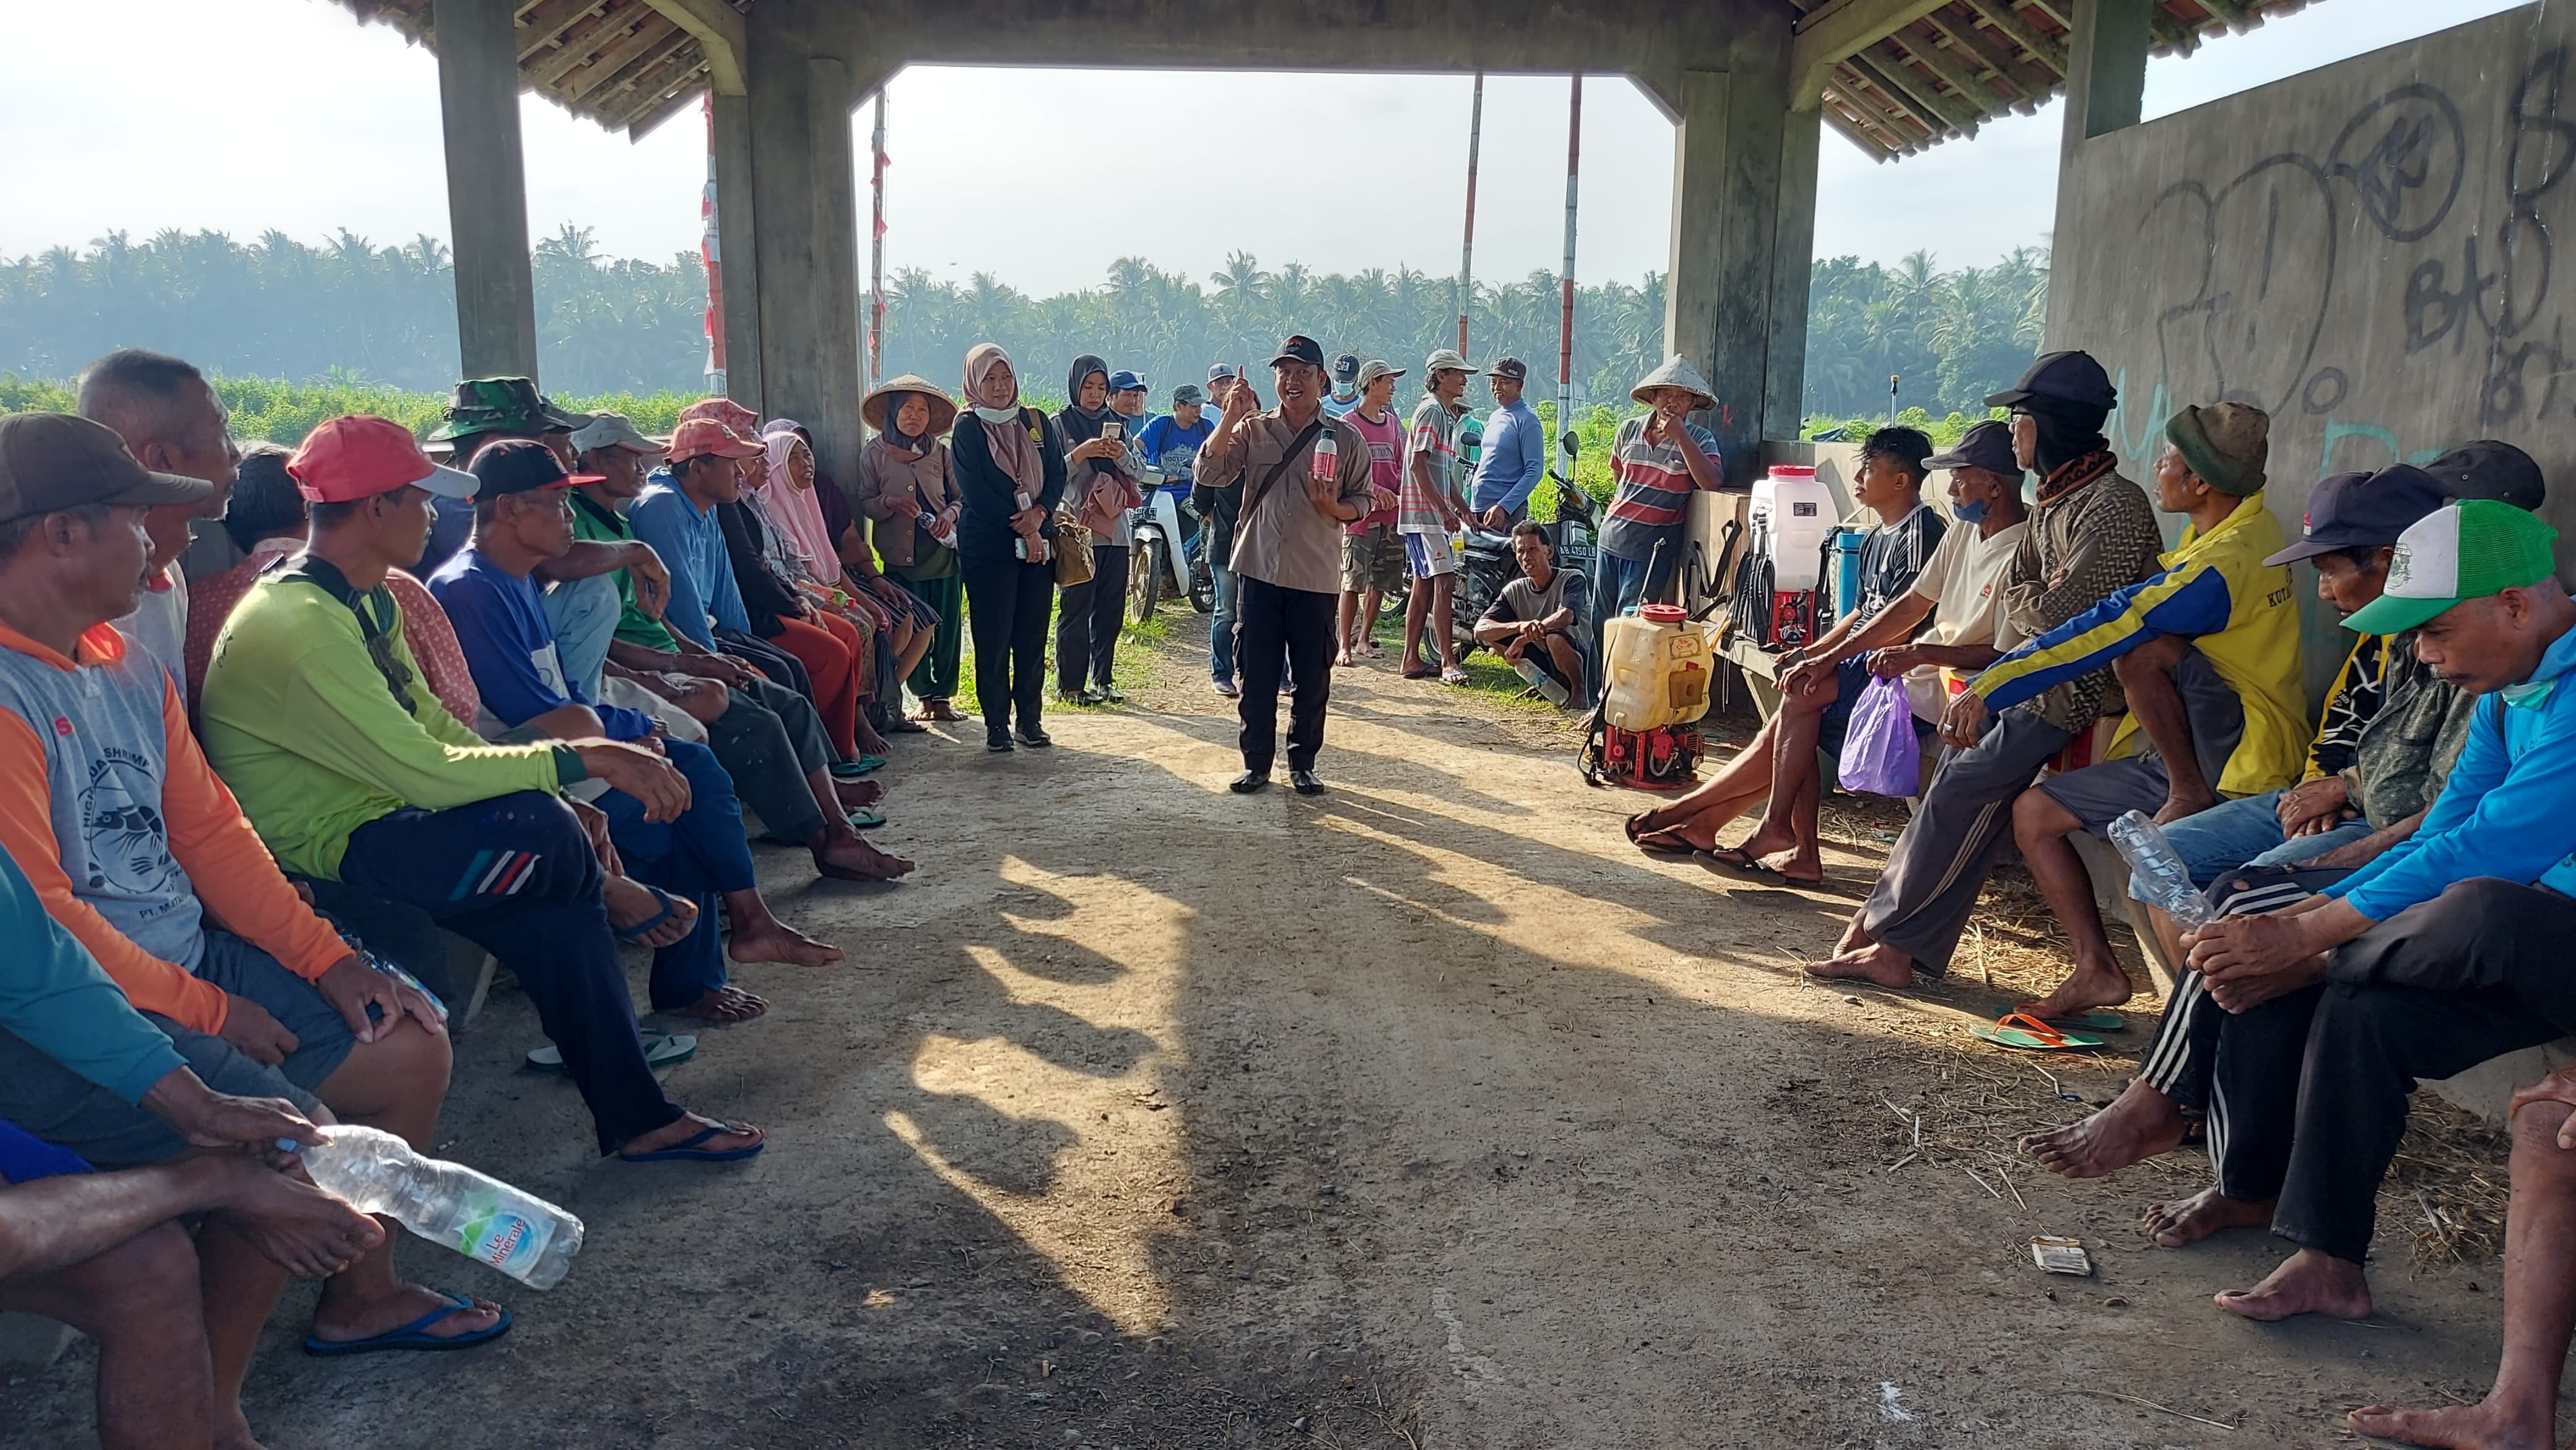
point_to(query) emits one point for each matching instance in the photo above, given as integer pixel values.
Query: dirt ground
(1425, 1113)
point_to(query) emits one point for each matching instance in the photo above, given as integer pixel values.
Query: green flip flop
(865, 818)
(2014, 1029)
(853, 769)
(2092, 1019)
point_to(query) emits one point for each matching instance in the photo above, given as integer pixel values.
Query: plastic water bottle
(1033, 551)
(2160, 870)
(1325, 463)
(473, 1213)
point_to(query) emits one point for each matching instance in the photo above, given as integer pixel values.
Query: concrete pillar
(487, 192)
(2106, 82)
(1735, 295)
(805, 200)
(737, 248)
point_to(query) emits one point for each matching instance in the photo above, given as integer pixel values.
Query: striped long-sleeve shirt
(2215, 590)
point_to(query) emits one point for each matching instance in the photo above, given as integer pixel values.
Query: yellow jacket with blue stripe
(2239, 612)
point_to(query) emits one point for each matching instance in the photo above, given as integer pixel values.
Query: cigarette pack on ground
(2061, 1256)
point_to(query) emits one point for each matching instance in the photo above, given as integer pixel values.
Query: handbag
(1073, 561)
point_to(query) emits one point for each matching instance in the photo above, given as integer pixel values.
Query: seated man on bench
(2207, 654)
(1818, 685)
(2447, 950)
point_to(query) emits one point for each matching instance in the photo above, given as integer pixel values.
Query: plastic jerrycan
(1658, 669)
(1800, 509)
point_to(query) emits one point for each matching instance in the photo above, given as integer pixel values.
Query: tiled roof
(622, 63)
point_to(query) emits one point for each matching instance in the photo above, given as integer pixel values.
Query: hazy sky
(247, 115)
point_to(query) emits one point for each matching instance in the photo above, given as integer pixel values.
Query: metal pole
(711, 256)
(1565, 322)
(876, 253)
(1891, 399)
(1467, 249)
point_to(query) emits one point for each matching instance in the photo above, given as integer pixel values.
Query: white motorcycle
(1164, 559)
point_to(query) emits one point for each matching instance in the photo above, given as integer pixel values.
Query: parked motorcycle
(1167, 558)
(1488, 563)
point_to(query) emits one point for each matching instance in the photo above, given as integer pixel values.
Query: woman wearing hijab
(1102, 491)
(832, 564)
(1009, 467)
(833, 652)
(908, 494)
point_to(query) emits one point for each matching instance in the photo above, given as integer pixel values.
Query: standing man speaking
(1287, 553)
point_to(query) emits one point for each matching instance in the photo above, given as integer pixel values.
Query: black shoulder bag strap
(1253, 496)
(373, 607)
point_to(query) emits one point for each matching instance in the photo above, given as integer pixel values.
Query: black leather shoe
(997, 740)
(1305, 782)
(1250, 781)
(1036, 739)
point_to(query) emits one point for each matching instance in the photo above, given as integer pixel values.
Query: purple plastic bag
(1880, 752)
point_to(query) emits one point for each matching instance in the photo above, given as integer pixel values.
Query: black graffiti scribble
(2414, 166)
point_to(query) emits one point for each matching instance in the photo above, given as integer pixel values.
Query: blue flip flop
(646, 927)
(687, 1150)
(411, 1336)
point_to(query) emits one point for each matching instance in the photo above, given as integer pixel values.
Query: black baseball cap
(2490, 469)
(2363, 511)
(51, 462)
(1346, 367)
(1988, 445)
(2068, 379)
(521, 465)
(1510, 367)
(1297, 347)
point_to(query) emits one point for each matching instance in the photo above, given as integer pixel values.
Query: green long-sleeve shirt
(300, 723)
(55, 996)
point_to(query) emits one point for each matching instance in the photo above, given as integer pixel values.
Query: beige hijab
(1014, 452)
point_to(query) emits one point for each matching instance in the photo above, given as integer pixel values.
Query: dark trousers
(768, 740)
(2477, 972)
(1283, 629)
(699, 856)
(1088, 621)
(780, 667)
(395, 931)
(1008, 603)
(935, 678)
(2181, 1061)
(1923, 899)
(516, 876)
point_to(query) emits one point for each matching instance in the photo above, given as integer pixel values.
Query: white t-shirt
(160, 624)
(1964, 580)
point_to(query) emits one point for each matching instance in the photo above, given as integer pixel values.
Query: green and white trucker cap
(2466, 550)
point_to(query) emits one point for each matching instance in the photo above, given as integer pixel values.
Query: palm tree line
(349, 312)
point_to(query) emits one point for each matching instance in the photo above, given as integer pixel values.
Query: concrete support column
(805, 240)
(487, 191)
(737, 249)
(2106, 82)
(1735, 296)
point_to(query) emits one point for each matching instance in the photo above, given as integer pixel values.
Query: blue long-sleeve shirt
(2508, 809)
(509, 645)
(1515, 458)
(55, 995)
(692, 545)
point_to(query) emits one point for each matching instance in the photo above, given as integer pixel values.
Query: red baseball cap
(698, 437)
(356, 456)
(726, 411)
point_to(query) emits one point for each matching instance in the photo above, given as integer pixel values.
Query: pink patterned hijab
(796, 508)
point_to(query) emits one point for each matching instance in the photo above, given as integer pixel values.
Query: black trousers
(1087, 623)
(2477, 972)
(769, 739)
(775, 664)
(2181, 1061)
(1278, 629)
(1006, 608)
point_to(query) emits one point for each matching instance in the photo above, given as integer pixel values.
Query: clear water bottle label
(508, 1241)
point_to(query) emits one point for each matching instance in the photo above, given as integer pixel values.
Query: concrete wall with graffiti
(2366, 250)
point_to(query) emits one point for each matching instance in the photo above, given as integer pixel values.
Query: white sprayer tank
(1799, 510)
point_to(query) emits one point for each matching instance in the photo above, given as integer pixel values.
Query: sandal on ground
(713, 1008)
(864, 818)
(1419, 672)
(1453, 676)
(415, 1336)
(2015, 1029)
(670, 907)
(1668, 842)
(661, 1049)
(903, 726)
(689, 1149)
(940, 710)
(1733, 861)
(2091, 1019)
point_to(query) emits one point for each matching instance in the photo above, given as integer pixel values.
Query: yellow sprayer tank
(1658, 669)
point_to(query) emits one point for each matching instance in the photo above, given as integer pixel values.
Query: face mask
(998, 415)
(2529, 695)
(1972, 512)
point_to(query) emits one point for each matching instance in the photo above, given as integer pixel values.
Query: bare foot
(723, 1006)
(1855, 936)
(1883, 965)
(2088, 988)
(341, 1318)
(2177, 807)
(852, 859)
(772, 940)
(1344, 659)
(2181, 1221)
(857, 793)
(2308, 1282)
(689, 1125)
(295, 1225)
(2138, 1125)
(2486, 1425)
(630, 901)
(234, 1433)
(871, 743)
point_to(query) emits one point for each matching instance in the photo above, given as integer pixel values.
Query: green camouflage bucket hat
(502, 405)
